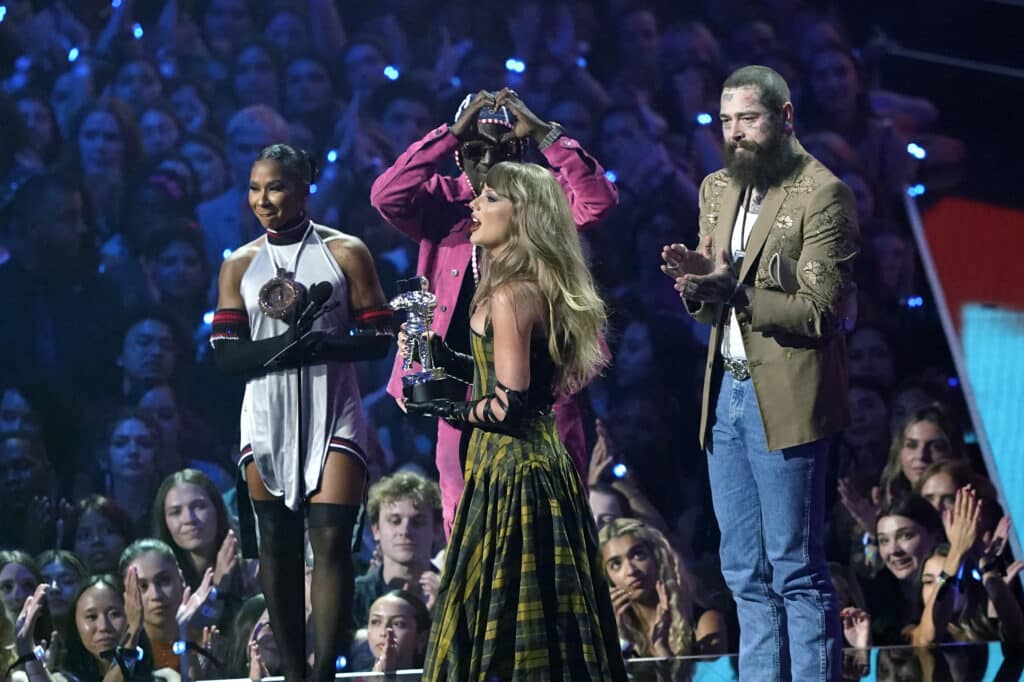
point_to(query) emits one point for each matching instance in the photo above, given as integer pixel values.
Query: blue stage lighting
(515, 65)
(916, 150)
(611, 176)
(137, 31)
(73, 54)
(391, 72)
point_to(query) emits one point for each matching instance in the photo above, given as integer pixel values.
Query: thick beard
(764, 165)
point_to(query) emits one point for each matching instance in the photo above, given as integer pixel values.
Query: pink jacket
(433, 209)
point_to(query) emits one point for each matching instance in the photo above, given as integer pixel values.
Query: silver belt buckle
(739, 369)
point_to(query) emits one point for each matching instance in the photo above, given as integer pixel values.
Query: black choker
(289, 234)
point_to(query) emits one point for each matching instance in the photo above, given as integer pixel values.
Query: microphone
(318, 295)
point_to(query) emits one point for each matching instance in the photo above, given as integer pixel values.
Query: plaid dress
(523, 592)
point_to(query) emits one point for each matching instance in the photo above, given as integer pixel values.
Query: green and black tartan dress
(523, 592)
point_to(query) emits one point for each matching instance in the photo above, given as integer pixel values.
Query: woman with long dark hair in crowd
(906, 531)
(190, 516)
(302, 425)
(99, 531)
(100, 623)
(63, 573)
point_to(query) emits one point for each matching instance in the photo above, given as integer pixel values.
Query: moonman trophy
(431, 382)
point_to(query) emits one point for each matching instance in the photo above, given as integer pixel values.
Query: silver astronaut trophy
(432, 381)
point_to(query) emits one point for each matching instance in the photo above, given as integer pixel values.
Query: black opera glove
(515, 405)
(458, 365)
(455, 412)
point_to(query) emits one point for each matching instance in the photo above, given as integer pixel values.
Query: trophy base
(427, 386)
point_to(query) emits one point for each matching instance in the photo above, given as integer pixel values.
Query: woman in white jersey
(295, 308)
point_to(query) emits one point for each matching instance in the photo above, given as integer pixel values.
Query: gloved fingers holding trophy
(414, 345)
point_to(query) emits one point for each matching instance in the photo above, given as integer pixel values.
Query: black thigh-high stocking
(330, 535)
(282, 576)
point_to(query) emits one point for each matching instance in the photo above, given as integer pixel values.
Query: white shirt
(732, 340)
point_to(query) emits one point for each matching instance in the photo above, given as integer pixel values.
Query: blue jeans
(770, 507)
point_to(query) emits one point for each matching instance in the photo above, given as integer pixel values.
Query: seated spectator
(105, 150)
(871, 356)
(189, 515)
(226, 219)
(256, 74)
(44, 138)
(205, 154)
(192, 107)
(612, 495)
(19, 576)
(404, 111)
(176, 269)
(160, 592)
(159, 129)
(250, 650)
(940, 481)
(64, 311)
(17, 413)
(37, 408)
(653, 595)
(396, 634)
(404, 512)
(27, 486)
(100, 530)
(130, 465)
(889, 267)
(311, 97)
(850, 600)
(63, 573)
(153, 350)
(930, 434)
(100, 623)
(957, 606)
(19, 157)
(906, 531)
(185, 439)
(834, 97)
(137, 83)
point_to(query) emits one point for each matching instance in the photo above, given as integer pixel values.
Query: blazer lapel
(729, 207)
(762, 226)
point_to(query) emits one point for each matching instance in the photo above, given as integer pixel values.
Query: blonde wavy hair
(544, 248)
(678, 583)
(8, 654)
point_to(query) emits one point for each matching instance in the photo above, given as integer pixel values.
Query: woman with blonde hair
(523, 593)
(930, 434)
(653, 594)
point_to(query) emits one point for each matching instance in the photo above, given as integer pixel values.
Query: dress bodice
(542, 371)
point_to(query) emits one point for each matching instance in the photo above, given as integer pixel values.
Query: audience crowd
(129, 131)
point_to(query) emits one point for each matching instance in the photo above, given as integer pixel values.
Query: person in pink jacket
(433, 209)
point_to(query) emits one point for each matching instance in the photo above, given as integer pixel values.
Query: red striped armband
(229, 324)
(377, 318)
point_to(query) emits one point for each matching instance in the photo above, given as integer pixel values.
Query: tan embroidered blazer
(799, 259)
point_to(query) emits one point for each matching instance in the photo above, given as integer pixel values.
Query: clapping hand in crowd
(386, 663)
(863, 510)
(227, 559)
(961, 522)
(662, 626)
(192, 604)
(856, 627)
(430, 585)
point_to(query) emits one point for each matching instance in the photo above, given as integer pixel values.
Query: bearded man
(772, 273)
